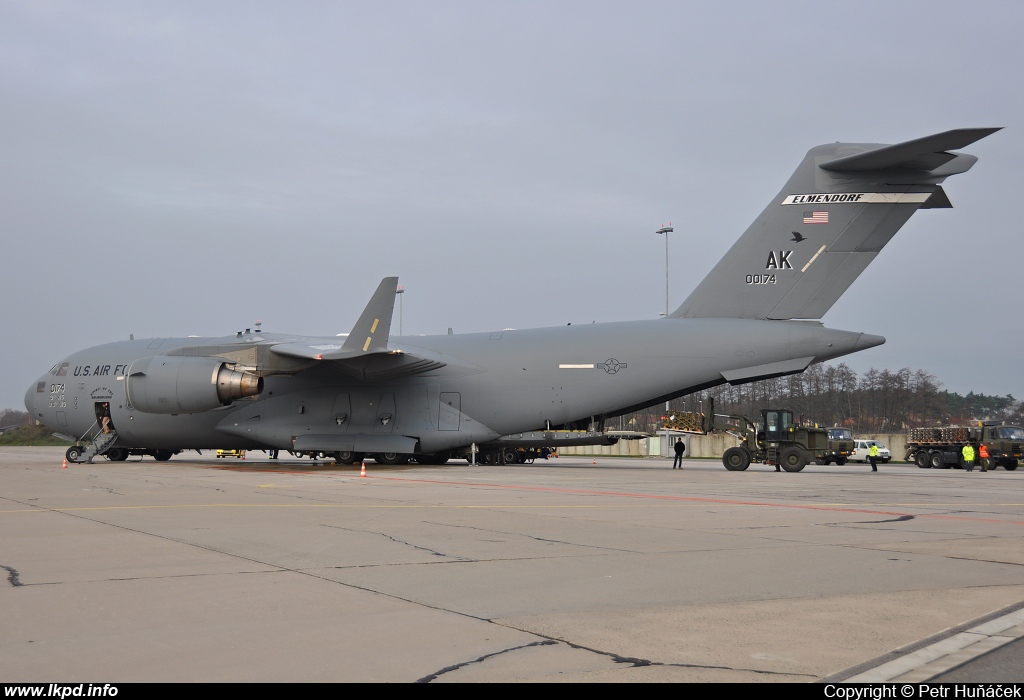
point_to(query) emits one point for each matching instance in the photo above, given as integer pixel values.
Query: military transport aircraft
(430, 398)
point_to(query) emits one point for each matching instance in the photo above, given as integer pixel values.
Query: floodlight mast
(401, 309)
(666, 230)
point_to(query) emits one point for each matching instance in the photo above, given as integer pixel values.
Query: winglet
(371, 332)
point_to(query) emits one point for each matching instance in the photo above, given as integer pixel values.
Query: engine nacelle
(165, 384)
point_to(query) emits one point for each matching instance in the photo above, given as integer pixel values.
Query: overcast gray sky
(183, 168)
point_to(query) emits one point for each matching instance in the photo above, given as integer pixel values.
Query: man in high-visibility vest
(873, 456)
(968, 454)
(983, 457)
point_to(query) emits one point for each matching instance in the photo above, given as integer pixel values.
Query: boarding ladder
(99, 442)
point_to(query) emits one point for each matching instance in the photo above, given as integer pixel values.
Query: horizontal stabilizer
(927, 153)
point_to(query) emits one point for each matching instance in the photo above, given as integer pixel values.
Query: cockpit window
(40, 387)
(60, 370)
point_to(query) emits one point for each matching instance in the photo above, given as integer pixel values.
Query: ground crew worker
(680, 447)
(872, 456)
(983, 459)
(968, 454)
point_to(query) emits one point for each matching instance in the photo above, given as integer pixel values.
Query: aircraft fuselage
(492, 384)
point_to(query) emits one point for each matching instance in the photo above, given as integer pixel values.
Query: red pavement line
(694, 499)
(621, 494)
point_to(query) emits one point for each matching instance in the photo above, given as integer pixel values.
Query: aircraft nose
(30, 400)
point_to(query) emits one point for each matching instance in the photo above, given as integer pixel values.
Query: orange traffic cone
(65, 465)
(243, 455)
(595, 460)
(362, 470)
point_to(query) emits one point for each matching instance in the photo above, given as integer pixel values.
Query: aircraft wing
(369, 336)
(365, 352)
(369, 366)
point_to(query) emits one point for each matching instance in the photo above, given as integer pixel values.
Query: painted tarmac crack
(901, 519)
(281, 568)
(398, 541)
(987, 561)
(456, 667)
(631, 661)
(12, 576)
(534, 537)
(452, 561)
(636, 662)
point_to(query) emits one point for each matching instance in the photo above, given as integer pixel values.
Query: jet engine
(165, 384)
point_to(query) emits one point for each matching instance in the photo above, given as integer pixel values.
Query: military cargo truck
(942, 447)
(840, 447)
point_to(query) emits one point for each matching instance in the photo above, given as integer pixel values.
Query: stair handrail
(89, 430)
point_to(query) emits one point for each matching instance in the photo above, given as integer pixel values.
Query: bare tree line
(880, 401)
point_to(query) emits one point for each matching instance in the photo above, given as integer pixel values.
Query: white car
(861, 448)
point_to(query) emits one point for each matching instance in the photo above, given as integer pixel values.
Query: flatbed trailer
(942, 447)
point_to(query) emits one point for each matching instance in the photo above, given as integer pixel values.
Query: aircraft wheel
(510, 456)
(921, 460)
(793, 460)
(936, 460)
(73, 454)
(1010, 464)
(117, 454)
(348, 457)
(162, 455)
(390, 458)
(736, 459)
(841, 461)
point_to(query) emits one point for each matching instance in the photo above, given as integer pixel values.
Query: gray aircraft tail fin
(842, 205)
(372, 330)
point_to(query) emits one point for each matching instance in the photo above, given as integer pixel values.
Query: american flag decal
(815, 217)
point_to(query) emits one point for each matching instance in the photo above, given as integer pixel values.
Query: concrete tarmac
(204, 569)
